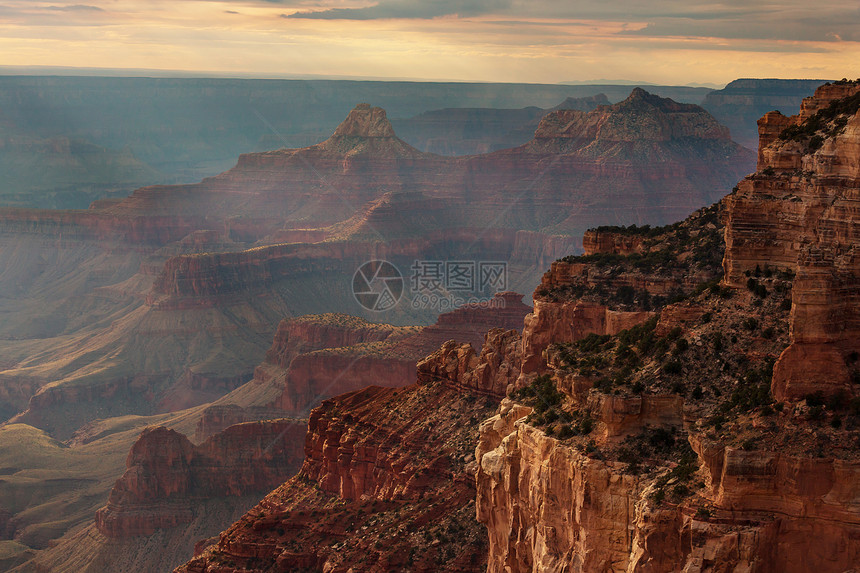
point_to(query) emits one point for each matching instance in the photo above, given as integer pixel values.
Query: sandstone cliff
(798, 213)
(387, 485)
(316, 375)
(167, 474)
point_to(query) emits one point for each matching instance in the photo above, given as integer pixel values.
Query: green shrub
(718, 342)
(586, 425)
(672, 367)
(566, 431)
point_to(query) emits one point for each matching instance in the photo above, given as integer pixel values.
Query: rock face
(167, 474)
(492, 372)
(550, 508)
(387, 485)
(318, 356)
(799, 214)
(599, 294)
(597, 241)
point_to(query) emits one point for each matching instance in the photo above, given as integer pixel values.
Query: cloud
(75, 8)
(417, 9)
(823, 29)
(23, 14)
(772, 20)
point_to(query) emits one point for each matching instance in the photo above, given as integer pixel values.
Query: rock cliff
(387, 485)
(167, 475)
(328, 372)
(798, 213)
(319, 356)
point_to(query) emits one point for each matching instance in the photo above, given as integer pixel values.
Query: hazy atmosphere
(405, 286)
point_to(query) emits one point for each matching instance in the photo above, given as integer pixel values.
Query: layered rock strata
(167, 474)
(387, 485)
(798, 213)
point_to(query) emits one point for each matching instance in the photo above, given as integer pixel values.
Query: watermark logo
(433, 284)
(377, 285)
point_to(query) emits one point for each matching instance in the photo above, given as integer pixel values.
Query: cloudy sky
(659, 41)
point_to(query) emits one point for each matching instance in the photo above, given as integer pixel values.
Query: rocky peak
(167, 475)
(366, 130)
(642, 118)
(365, 121)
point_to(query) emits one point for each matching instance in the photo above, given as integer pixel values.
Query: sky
(534, 41)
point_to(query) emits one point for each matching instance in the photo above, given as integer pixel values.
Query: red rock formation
(315, 332)
(547, 504)
(188, 281)
(493, 372)
(386, 486)
(167, 474)
(553, 323)
(660, 120)
(560, 480)
(596, 241)
(678, 316)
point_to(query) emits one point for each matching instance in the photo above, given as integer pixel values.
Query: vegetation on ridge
(826, 123)
(689, 248)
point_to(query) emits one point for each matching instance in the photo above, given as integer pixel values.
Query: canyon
(682, 398)
(753, 477)
(99, 303)
(154, 313)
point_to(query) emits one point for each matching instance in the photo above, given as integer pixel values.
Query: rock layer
(386, 486)
(799, 214)
(167, 474)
